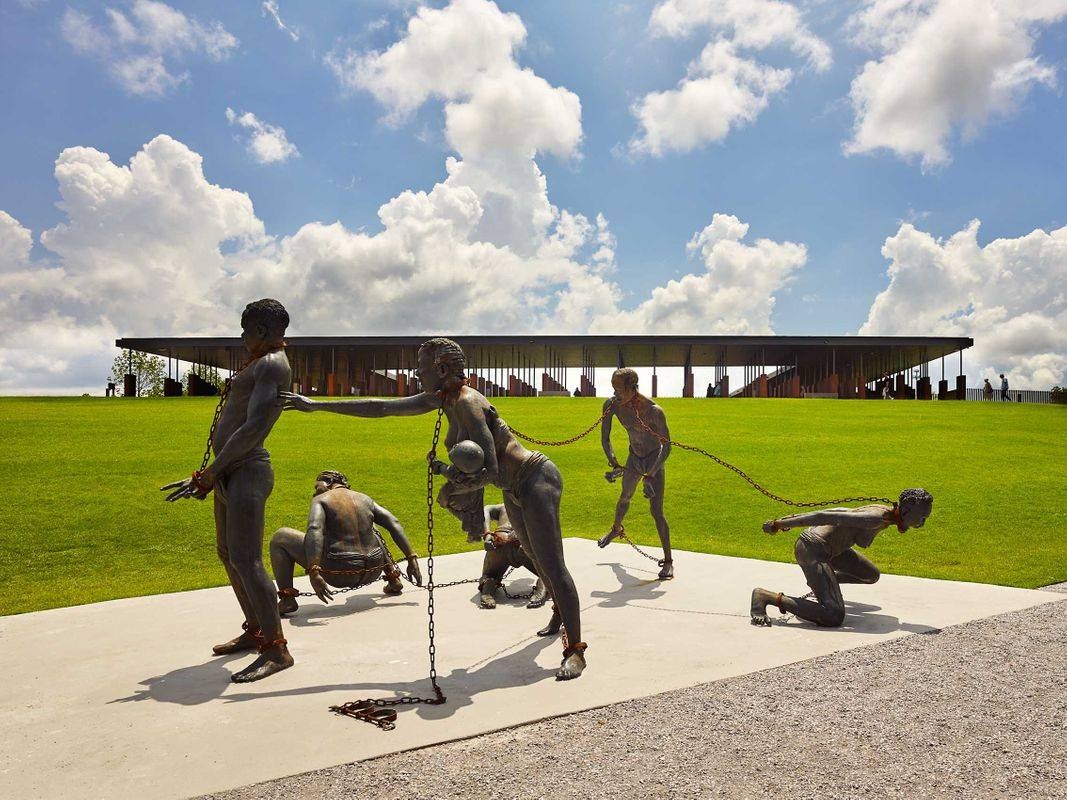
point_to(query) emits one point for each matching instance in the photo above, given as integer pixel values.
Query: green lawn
(81, 519)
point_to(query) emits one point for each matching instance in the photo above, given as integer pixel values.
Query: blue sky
(783, 172)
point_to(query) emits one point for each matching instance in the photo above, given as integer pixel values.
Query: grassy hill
(81, 517)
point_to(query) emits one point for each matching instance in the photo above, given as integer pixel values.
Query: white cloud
(442, 52)
(498, 116)
(1009, 296)
(267, 143)
(734, 295)
(943, 67)
(723, 89)
(154, 248)
(136, 45)
(750, 24)
(270, 7)
(721, 93)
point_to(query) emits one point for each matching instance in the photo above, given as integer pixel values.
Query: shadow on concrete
(460, 686)
(630, 588)
(314, 613)
(188, 686)
(203, 683)
(860, 618)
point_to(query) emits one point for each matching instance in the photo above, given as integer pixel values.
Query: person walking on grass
(1004, 389)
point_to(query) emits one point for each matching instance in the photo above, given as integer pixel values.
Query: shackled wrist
(315, 569)
(412, 556)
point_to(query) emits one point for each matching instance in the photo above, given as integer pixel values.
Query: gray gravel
(974, 711)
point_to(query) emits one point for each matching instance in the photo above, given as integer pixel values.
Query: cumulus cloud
(751, 24)
(943, 67)
(733, 295)
(155, 248)
(139, 46)
(1009, 296)
(721, 92)
(267, 143)
(722, 89)
(270, 8)
(498, 116)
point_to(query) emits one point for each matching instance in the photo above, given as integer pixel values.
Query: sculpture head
(263, 325)
(467, 456)
(624, 382)
(442, 366)
(328, 479)
(915, 506)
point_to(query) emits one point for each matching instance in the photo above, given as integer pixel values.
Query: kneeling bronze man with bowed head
(531, 483)
(341, 548)
(824, 551)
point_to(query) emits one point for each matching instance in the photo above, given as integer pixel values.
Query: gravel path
(975, 711)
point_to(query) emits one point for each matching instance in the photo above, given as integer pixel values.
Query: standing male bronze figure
(341, 548)
(242, 478)
(532, 485)
(646, 427)
(824, 551)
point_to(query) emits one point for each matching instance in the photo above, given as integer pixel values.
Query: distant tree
(148, 369)
(206, 374)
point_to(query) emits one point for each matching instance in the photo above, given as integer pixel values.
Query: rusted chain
(755, 485)
(660, 562)
(371, 709)
(223, 396)
(564, 442)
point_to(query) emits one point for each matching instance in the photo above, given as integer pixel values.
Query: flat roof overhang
(595, 351)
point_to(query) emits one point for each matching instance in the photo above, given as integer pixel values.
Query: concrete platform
(122, 699)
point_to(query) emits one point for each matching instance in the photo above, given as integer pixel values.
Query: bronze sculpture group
(341, 547)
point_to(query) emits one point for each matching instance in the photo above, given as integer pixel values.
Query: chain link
(519, 595)
(365, 709)
(741, 473)
(563, 442)
(622, 535)
(223, 395)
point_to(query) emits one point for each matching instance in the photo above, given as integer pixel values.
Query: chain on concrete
(660, 562)
(371, 709)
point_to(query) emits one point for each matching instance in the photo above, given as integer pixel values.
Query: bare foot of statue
(539, 596)
(271, 660)
(249, 639)
(605, 540)
(761, 598)
(573, 662)
(393, 585)
(553, 626)
(667, 572)
(487, 592)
